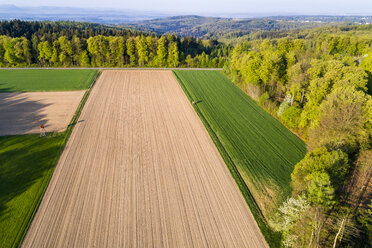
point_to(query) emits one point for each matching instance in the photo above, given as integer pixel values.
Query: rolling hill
(214, 27)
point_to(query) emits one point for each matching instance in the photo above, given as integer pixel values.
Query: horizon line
(205, 14)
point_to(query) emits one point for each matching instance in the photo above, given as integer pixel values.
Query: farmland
(27, 161)
(30, 80)
(141, 171)
(22, 113)
(140, 162)
(262, 150)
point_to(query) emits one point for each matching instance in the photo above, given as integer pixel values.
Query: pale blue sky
(216, 6)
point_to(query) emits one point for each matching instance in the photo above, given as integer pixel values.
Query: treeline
(51, 30)
(314, 33)
(53, 45)
(318, 87)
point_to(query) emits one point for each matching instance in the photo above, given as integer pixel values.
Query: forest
(318, 83)
(69, 44)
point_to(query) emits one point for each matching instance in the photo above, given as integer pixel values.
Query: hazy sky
(216, 6)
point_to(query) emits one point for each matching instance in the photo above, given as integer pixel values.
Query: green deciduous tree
(66, 52)
(345, 120)
(84, 59)
(162, 52)
(173, 55)
(320, 190)
(143, 50)
(291, 117)
(250, 69)
(334, 163)
(131, 51)
(99, 51)
(45, 52)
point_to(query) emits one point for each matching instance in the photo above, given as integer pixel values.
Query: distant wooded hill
(221, 26)
(53, 13)
(215, 27)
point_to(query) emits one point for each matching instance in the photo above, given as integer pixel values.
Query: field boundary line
(20, 237)
(247, 195)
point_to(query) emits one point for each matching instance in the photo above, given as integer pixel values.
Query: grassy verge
(259, 152)
(27, 163)
(45, 80)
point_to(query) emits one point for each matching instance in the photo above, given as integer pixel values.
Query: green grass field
(258, 150)
(45, 80)
(26, 165)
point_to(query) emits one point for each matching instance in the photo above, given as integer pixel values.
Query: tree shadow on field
(5, 88)
(27, 158)
(74, 123)
(196, 102)
(19, 114)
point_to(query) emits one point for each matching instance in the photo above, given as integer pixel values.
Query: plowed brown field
(22, 113)
(140, 170)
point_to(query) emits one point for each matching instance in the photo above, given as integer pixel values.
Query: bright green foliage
(162, 52)
(251, 67)
(262, 149)
(273, 68)
(116, 51)
(143, 50)
(105, 51)
(55, 57)
(298, 81)
(173, 55)
(345, 120)
(319, 190)
(367, 62)
(299, 45)
(318, 90)
(367, 65)
(152, 46)
(98, 47)
(26, 164)
(65, 54)
(110, 47)
(334, 163)
(324, 77)
(131, 51)
(45, 52)
(84, 59)
(291, 117)
(189, 61)
(263, 99)
(45, 80)
(285, 45)
(15, 51)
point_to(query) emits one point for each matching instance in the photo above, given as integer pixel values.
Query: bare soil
(22, 113)
(140, 170)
